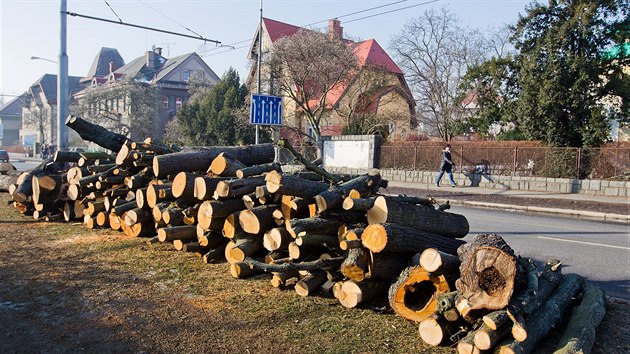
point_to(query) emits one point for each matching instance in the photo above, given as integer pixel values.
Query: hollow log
(391, 210)
(258, 170)
(200, 159)
(96, 134)
(414, 295)
(393, 238)
(352, 294)
(487, 274)
(548, 317)
(579, 336)
(333, 197)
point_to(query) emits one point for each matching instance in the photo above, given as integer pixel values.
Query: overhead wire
(208, 53)
(166, 16)
(111, 8)
(303, 26)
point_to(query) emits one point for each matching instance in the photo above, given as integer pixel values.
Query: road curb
(533, 209)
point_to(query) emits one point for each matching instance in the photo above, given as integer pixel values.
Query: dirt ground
(65, 289)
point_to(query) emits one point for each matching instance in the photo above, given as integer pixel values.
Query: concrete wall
(539, 184)
(351, 151)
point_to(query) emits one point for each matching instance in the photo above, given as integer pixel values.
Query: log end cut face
(374, 237)
(377, 214)
(489, 280)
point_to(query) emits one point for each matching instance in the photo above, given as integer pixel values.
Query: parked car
(4, 156)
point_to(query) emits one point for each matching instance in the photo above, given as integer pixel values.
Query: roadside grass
(152, 298)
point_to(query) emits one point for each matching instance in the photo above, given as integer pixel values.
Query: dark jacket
(447, 161)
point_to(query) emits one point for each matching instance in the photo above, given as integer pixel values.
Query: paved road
(599, 251)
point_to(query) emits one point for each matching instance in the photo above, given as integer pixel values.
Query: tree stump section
(414, 295)
(393, 238)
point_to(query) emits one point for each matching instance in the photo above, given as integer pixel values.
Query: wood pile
(313, 232)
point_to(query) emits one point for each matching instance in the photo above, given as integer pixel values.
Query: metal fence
(596, 163)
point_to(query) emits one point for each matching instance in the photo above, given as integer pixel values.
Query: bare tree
(127, 107)
(306, 67)
(435, 54)
(40, 119)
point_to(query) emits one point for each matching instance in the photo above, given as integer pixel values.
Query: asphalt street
(599, 251)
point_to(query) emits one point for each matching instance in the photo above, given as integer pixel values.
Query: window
(165, 102)
(186, 75)
(178, 103)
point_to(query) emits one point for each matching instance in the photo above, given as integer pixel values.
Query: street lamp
(38, 58)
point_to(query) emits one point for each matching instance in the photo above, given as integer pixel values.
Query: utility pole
(260, 27)
(62, 82)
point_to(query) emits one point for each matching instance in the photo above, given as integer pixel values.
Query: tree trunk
(299, 227)
(238, 187)
(467, 346)
(205, 186)
(438, 262)
(293, 185)
(184, 186)
(96, 134)
(257, 220)
(171, 233)
(414, 295)
(156, 193)
(277, 238)
(488, 272)
(548, 317)
(201, 158)
(225, 166)
(358, 204)
(352, 294)
(356, 264)
(436, 330)
(242, 270)
(393, 238)
(425, 218)
(486, 338)
(333, 198)
(579, 336)
(258, 170)
(310, 283)
(317, 264)
(385, 266)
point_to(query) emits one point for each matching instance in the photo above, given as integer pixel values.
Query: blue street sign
(266, 110)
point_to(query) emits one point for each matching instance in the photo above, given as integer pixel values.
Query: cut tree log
(312, 265)
(225, 166)
(548, 317)
(322, 226)
(436, 261)
(385, 266)
(356, 264)
(257, 220)
(171, 233)
(238, 187)
(393, 238)
(579, 336)
(352, 294)
(486, 337)
(277, 238)
(205, 186)
(258, 170)
(436, 330)
(487, 274)
(242, 270)
(184, 186)
(414, 295)
(239, 249)
(201, 158)
(466, 345)
(389, 209)
(333, 197)
(157, 193)
(6, 182)
(293, 185)
(310, 283)
(358, 204)
(96, 134)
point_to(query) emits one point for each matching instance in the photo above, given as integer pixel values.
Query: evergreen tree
(220, 116)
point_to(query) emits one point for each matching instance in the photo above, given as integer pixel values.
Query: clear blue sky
(30, 28)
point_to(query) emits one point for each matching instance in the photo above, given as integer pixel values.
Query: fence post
(515, 161)
(415, 156)
(461, 161)
(579, 162)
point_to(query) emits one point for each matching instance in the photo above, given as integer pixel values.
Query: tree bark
(258, 170)
(201, 158)
(333, 198)
(293, 185)
(548, 316)
(96, 134)
(393, 238)
(391, 210)
(438, 262)
(318, 264)
(238, 187)
(352, 294)
(257, 220)
(225, 166)
(310, 283)
(579, 336)
(436, 330)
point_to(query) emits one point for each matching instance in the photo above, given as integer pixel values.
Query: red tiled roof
(277, 29)
(370, 52)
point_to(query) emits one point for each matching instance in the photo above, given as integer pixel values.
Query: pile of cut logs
(314, 232)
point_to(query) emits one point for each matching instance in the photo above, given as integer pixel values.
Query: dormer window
(186, 75)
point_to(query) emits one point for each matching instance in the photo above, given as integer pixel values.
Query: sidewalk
(514, 195)
(20, 157)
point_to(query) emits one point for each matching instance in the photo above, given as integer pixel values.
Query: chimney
(150, 59)
(335, 31)
(158, 51)
(111, 67)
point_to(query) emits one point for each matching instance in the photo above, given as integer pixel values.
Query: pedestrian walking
(446, 166)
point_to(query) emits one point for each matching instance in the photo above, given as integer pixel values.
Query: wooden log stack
(313, 232)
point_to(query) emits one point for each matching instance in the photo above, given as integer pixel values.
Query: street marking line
(583, 242)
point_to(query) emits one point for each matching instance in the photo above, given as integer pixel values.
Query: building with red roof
(391, 104)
